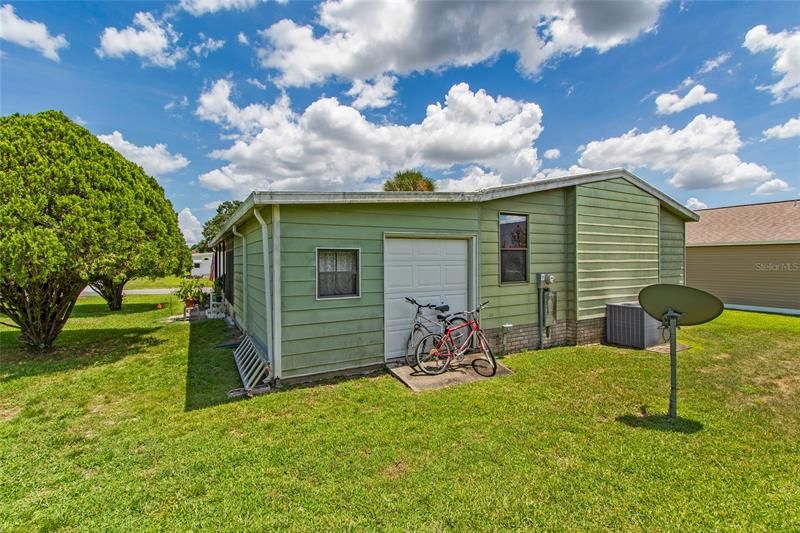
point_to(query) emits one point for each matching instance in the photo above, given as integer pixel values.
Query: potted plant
(190, 291)
(217, 290)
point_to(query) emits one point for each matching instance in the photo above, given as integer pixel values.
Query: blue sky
(219, 97)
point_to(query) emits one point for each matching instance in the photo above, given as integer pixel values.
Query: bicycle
(436, 352)
(423, 324)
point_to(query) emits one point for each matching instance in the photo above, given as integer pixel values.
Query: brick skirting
(564, 333)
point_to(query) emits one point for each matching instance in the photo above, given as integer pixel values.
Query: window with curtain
(513, 248)
(337, 273)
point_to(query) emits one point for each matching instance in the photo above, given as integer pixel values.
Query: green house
(318, 281)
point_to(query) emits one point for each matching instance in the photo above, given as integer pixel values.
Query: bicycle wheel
(434, 354)
(459, 335)
(484, 365)
(411, 346)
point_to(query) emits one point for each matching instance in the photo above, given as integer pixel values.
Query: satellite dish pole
(671, 321)
(659, 301)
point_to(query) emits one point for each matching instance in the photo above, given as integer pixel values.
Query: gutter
(267, 291)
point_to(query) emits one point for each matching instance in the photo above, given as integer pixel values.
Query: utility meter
(544, 280)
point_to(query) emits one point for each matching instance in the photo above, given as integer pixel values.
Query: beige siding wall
(757, 275)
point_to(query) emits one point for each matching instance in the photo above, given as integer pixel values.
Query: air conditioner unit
(628, 325)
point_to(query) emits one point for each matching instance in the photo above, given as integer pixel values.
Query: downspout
(276, 291)
(244, 276)
(267, 292)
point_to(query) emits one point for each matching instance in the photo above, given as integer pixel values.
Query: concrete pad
(664, 348)
(457, 374)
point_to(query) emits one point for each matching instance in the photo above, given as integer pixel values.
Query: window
(513, 248)
(337, 273)
(196, 264)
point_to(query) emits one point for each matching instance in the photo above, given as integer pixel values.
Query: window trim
(527, 280)
(316, 272)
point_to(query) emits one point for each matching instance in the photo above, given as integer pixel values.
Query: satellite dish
(695, 306)
(676, 305)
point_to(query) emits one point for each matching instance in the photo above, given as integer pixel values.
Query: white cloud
(669, 103)
(202, 7)
(715, 62)
(29, 33)
(242, 38)
(78, 120)
(255, 83)
(377, 94)
(191, 228)
(156, 160)
(474, 180)
(212, 205)
(183, 101)
(552, 153)
(331, 146)
(363, 40)
(557, 172)
(207, 45)
(787, 59)
(154, 42)
(783, 131)
(701, 155)
(694, 204)
(772, 186)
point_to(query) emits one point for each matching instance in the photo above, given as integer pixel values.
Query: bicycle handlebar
(419, 305)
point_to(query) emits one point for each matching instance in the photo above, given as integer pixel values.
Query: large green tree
(156, 249)
(215, 223)
(409, 180)
(68, 206)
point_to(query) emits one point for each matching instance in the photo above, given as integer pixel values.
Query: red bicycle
(436, 352)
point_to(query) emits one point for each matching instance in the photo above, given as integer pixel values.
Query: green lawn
(126, 427)
(169, 282)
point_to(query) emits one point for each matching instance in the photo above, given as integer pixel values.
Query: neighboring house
(201, 265)
(748, 255)
(339, 265)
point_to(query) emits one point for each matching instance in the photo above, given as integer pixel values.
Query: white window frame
(316, 273)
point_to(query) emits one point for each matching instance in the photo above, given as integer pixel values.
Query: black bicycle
(424, 326)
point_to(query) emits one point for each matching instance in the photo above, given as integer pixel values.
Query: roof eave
(258, 198)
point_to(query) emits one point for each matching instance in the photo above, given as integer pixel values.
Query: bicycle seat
(442, 308)
(441, 316)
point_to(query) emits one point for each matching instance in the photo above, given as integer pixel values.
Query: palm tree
(409, 180)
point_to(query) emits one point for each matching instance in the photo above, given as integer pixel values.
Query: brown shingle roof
(769, 222)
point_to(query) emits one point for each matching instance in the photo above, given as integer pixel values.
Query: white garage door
(428, 270)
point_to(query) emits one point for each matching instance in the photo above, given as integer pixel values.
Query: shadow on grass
(210, 372)
(74, 349)
(101, 309)
(661, 423)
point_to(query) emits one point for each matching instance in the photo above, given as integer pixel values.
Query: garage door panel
(428, 270)
(399, 277)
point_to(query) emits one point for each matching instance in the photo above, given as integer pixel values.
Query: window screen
(337, 273)
(513, 248)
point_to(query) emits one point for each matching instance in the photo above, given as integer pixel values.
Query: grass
(169, 282)
(126, 426)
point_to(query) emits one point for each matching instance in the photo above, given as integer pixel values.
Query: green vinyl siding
(603, 241)
(256, 304)
(617, 248)
(336, 334)
(671, 248)
(549, 250)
